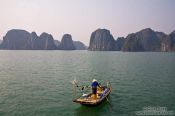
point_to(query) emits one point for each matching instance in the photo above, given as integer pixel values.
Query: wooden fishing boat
(89, 100)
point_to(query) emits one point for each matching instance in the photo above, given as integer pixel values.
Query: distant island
(100, 40)
(144, 40)
(17, 39)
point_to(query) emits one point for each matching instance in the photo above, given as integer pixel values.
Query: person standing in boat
(94, 88)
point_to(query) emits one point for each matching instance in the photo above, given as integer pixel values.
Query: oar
(74, 83)
(108, 100)
(108, 84)
(110, 106)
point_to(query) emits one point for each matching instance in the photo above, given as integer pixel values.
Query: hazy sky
(81, 17)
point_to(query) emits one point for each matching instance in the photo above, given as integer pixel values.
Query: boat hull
(94, 102)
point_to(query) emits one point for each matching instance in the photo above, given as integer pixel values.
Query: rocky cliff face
(47, 42)
(102, 40)
(168, 43)
(57, 43)
(66, 43)
(0, 42)
(79, 45)
(144, 40)
(16, 40)
(35, 41)
(132, 43)
(22, 40)
(119, 43)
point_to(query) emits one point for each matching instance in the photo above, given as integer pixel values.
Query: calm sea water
(38, 83)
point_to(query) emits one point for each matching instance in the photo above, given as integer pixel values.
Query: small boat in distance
(90, 100)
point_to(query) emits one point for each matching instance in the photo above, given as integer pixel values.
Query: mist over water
(38, 83)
